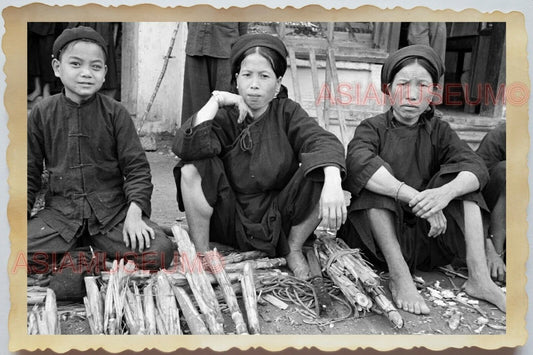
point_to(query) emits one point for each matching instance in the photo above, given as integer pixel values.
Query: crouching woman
(416, 201)
(256, 172)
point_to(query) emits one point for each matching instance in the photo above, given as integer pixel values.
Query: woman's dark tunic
(262, 176)
(426, 155)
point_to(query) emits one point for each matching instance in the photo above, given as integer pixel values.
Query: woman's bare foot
(487, 291)
(298, 264)
(495, 262)
(406, 296)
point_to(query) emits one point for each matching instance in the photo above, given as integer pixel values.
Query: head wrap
(73, 34)
(253, 40)
(414, 51)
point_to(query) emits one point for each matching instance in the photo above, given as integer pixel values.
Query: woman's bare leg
(479, 283)
(197, 209)
(297, 237)
(401, 282)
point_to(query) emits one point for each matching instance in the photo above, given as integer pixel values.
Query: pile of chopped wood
(192, 295)
(355, 277)
(43, 319)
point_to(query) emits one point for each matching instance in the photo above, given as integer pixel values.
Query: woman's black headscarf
(253, 40)
(414, 51)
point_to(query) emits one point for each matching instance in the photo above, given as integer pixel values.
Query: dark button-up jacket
(96, 163)
(436, 148)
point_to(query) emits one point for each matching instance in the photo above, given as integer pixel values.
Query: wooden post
(294, 75)
(316, 88)
(334, 75)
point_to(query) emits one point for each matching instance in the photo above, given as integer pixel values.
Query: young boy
(99, 179)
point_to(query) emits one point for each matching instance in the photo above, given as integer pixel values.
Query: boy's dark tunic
(262, 176)
(426, 155)
(97, 167)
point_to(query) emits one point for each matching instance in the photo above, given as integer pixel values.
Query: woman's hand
(225, 98)
(136, 231)
(431, 201)
(437, 223)
(332, 207)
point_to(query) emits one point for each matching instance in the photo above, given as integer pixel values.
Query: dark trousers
(45, 241)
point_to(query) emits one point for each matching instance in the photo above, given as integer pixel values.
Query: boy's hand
(136, 231)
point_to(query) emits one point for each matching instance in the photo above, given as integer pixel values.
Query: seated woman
(415, 186)
(492, 150)
(256, 171)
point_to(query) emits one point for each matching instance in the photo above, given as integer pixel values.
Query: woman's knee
(189, 175)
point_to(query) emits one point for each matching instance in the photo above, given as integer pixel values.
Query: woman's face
(257, 83)
(411, 93)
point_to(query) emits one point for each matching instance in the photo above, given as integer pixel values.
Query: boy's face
(81, 69)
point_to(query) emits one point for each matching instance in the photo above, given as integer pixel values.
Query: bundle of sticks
(355, 277)
(129, 301)
(42, 319)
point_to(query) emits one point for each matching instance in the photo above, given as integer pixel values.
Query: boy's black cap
(72, 34)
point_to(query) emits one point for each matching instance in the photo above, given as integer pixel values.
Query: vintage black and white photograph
(310, 178)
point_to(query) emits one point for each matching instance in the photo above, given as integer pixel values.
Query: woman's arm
(430, 201)
(332, 207)
(220, 99)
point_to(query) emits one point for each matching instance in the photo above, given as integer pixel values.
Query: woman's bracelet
(218, 97)
(398, 190)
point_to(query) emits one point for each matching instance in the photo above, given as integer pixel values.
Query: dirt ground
(275, 321)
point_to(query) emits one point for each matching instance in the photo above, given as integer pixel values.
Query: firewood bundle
(355, 278)
(43, 319)
(129, 301)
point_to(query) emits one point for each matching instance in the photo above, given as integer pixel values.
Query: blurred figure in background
(207, 65)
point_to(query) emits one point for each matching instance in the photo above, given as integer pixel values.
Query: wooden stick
(316, 88)
(166, 301)
(162, 329)
(139, 309)
(191, 314)
(89, 315)
(33, 328)
(211, 319)
(335, 81)
(149, 310)
(96, 303)
(50, 311)
(250, 299)
(294, 75)
(235, 257)
(213, 260)
(188, 253)
(108, 305)
(264, 263)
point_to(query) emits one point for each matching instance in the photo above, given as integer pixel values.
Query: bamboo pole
(250, 299)
(213, 260)
(96, 303)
